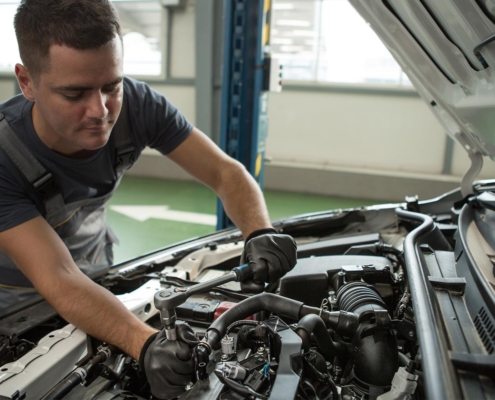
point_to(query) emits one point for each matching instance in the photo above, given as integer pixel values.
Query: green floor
(138, 237)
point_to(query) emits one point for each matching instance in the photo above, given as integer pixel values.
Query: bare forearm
(239, 192)
(40, 254)
(243, 201)
(97, 312)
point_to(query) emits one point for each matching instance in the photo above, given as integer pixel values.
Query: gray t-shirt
(154, 122)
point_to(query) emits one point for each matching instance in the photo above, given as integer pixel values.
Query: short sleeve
(157, 122)
(16, 206)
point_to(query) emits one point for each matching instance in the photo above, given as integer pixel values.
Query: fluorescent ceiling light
(291, 48)
(304, 33)
(282, 41)
(293, 22)
(283, 6)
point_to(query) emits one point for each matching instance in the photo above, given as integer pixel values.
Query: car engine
(385, 302)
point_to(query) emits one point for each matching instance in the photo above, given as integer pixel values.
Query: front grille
(486, 330)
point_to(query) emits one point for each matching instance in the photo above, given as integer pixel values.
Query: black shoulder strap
(124, 146)
(36, 174)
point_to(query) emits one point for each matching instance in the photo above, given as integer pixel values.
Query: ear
(25, 81)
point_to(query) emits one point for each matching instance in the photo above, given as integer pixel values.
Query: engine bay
(385, 302)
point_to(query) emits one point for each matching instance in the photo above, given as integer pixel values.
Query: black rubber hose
(403, 360)
(76, 377)
(420, 389)
(386, 248)
(64, 387)
(343, 322)
(240, 323)
(313, 324)
(279, 305)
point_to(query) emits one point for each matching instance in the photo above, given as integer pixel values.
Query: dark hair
(78, 24)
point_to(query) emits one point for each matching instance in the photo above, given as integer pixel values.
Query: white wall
(362, 131)
(182, 63)
(382, 132)
(7, 90)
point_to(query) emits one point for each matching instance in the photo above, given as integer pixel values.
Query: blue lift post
(244, 120)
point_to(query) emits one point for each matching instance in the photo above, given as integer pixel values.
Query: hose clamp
(323, 307)
(82, 373)
(106, 351)
(206, 344)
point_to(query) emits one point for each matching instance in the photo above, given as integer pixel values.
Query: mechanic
(61, 160)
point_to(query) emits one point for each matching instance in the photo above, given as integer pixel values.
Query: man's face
(78, 98)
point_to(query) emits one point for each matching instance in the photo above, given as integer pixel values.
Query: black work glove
(270, 256)
(169, 365)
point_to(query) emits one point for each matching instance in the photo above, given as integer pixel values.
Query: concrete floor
(147, 213)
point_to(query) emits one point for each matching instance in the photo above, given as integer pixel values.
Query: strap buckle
(46, 186)
(124, 158)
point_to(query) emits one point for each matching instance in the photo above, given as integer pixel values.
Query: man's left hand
(270, 256)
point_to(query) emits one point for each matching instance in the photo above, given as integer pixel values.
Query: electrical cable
(240, 323)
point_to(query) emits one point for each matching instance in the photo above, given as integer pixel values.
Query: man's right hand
(169, 365)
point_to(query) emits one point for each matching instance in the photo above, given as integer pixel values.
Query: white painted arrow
(143, 213)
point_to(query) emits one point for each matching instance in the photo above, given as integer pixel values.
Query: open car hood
(442, 46)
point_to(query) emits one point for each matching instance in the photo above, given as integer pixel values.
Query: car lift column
(244, 121)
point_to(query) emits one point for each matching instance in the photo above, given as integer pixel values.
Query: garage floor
(147, 213)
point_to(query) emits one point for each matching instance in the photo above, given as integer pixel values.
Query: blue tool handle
(243, 272)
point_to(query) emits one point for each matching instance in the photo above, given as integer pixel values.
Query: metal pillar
(204, 65)
(244, 121)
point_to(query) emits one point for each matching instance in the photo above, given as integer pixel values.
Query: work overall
(81, 225)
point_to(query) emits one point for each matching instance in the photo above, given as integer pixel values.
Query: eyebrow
(75, 88)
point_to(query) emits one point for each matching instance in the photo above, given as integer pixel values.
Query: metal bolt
(165, 293)
(411, 334)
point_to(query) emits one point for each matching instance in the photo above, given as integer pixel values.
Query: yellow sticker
(267, 5)
(266, 32)
(258, 165)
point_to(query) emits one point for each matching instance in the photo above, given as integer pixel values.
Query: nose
(96, 107)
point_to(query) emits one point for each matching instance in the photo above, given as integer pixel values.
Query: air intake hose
(375, 352)
(313, 324)
(343, 322)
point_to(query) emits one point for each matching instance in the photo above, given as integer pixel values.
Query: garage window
(142, 24)
(328, 41)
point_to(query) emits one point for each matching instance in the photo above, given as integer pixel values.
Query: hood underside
(445, 47)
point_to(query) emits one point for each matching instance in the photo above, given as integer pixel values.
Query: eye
(112, 89)
(73, 97)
